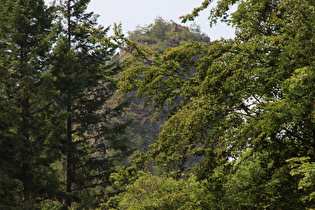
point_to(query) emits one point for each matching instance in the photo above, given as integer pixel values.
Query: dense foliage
(154, 192)
(60, 139)
(164, 34)
(93, 139)
(237, 127)
(27, 114)
(246, 105)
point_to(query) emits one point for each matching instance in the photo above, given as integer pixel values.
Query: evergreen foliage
(93, 137)
(26, 98)
(237, 115)
(163, 34)
(61, 135)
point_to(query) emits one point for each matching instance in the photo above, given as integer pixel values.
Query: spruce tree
(93, 138)
(27, 140)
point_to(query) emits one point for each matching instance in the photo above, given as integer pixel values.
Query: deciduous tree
(252, 93)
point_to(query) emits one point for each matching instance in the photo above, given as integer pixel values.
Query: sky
(131, 13)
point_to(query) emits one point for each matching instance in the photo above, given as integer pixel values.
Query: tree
(153, 192)
(93, 139)
(163, 34)
(254, 92)
(27, 111)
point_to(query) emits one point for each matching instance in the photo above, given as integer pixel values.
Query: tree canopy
(60, 137)
(27, 113)
(250, 95)
(163, 34)
(238, 128)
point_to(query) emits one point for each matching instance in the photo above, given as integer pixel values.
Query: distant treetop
(163, 34)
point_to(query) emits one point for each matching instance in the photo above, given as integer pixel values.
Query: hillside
(157, 36)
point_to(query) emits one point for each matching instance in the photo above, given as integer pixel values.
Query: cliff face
(158, 36)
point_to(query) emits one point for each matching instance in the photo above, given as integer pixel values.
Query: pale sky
(143, 12)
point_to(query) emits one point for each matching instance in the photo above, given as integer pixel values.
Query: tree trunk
(69, 157)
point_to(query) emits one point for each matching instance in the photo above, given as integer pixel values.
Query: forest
(162, 117)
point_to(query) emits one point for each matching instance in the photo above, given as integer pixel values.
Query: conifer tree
(93, 136)
(27, 140)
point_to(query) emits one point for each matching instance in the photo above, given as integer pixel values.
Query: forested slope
(243, 107)
(158, 36)
(246, 105)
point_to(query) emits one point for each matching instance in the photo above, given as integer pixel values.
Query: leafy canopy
(254, 93)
